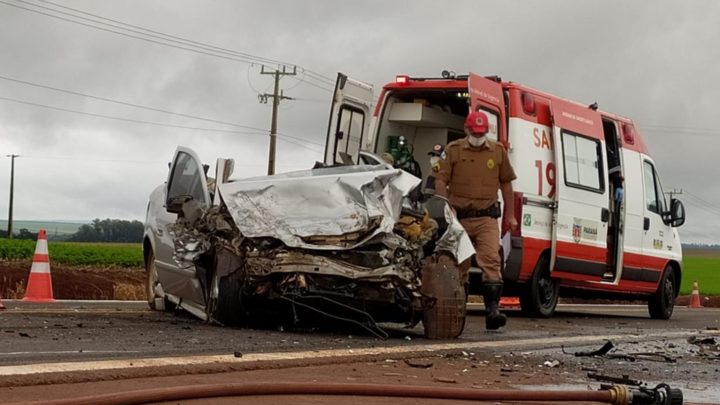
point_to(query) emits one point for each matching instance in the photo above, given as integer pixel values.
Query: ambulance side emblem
(577, 232)
(490, 163)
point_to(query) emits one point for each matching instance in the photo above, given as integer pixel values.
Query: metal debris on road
(418, 364)
(617, 380)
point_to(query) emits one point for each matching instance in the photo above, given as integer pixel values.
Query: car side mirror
(677, 213)
(174, 204)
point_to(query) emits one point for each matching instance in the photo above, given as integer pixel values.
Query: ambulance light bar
(528, 103)
(402, 79)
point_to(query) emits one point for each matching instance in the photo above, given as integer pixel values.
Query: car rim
(152, 282)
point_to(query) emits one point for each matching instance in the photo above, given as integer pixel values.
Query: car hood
(348, 205)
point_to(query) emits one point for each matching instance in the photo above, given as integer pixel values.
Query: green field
(76, 253)
(702, 265)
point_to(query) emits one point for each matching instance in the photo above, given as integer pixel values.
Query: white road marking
(73, 352)
(90, 366)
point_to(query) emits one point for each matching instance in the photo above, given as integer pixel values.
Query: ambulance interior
(413, 121)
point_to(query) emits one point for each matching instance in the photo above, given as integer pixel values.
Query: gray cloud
(653, 61)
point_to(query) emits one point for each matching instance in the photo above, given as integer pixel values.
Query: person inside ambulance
(435, 158)
(470, 175)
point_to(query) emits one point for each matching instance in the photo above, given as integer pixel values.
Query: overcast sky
(657, 62)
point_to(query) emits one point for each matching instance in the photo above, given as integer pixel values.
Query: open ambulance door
(487, 95)
(350, 113)
(580, 219)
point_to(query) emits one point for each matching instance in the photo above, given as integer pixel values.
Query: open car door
(186, 181)
(350, 114)
(580, 220)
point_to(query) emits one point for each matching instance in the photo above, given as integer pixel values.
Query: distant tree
(109, 230)
(26, 234)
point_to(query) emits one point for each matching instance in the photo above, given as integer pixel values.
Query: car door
(350, 114)
(579, 238)
(186, 181)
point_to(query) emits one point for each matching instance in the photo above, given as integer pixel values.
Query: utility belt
(492, 212)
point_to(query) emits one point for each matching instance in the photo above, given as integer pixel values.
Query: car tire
(662, 303)
(151, 280)
(444, 318)
(228, 307)
(540, 296)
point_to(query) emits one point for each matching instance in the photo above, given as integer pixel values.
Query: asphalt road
(92, 341)
(85, 330)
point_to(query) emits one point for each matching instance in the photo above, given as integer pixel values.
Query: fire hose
(616, 395)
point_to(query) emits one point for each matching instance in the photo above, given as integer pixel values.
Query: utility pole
(673, 193)
(12, 186)
(276, 96)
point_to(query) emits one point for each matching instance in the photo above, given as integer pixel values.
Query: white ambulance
(577, 237)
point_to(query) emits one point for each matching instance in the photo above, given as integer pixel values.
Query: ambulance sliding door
(350, 114)
(581, 215)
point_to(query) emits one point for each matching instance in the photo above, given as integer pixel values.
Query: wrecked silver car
(338, 243)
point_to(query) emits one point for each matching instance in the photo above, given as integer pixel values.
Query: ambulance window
(351, 124)
(654, 198)
(581, 157)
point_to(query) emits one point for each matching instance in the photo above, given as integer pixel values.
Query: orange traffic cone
(695, 297)
(39, 285)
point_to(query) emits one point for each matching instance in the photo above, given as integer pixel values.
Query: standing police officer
(473, 171)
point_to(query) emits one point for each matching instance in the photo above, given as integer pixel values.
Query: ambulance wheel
(541, 292)
(662, 303)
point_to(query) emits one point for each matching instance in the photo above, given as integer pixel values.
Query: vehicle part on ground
(662, 303)
(617, 395)
(541, 292)
(444, 317)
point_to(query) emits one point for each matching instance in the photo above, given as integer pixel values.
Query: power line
(128, 104)
(164, 39)
(151, 122)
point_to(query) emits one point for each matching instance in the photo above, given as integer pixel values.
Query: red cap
(477, 122)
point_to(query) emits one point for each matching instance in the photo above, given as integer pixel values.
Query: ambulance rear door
(487, 95)
(580, 218)
(350, 114)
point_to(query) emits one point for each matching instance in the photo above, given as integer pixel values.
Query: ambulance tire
(662, 303)
(541, 292)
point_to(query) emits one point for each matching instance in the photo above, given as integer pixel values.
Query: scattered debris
(551, 364)
(610, 351)
(445, 380)
(237, 354)
(599, 352)
(418, 364)
(616, 380)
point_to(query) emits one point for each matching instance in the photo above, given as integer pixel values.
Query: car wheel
(662, 303)
(228, 306)
(444, 318)
(540, 296)
(151, 282)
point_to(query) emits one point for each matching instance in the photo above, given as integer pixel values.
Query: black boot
(491, 295)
